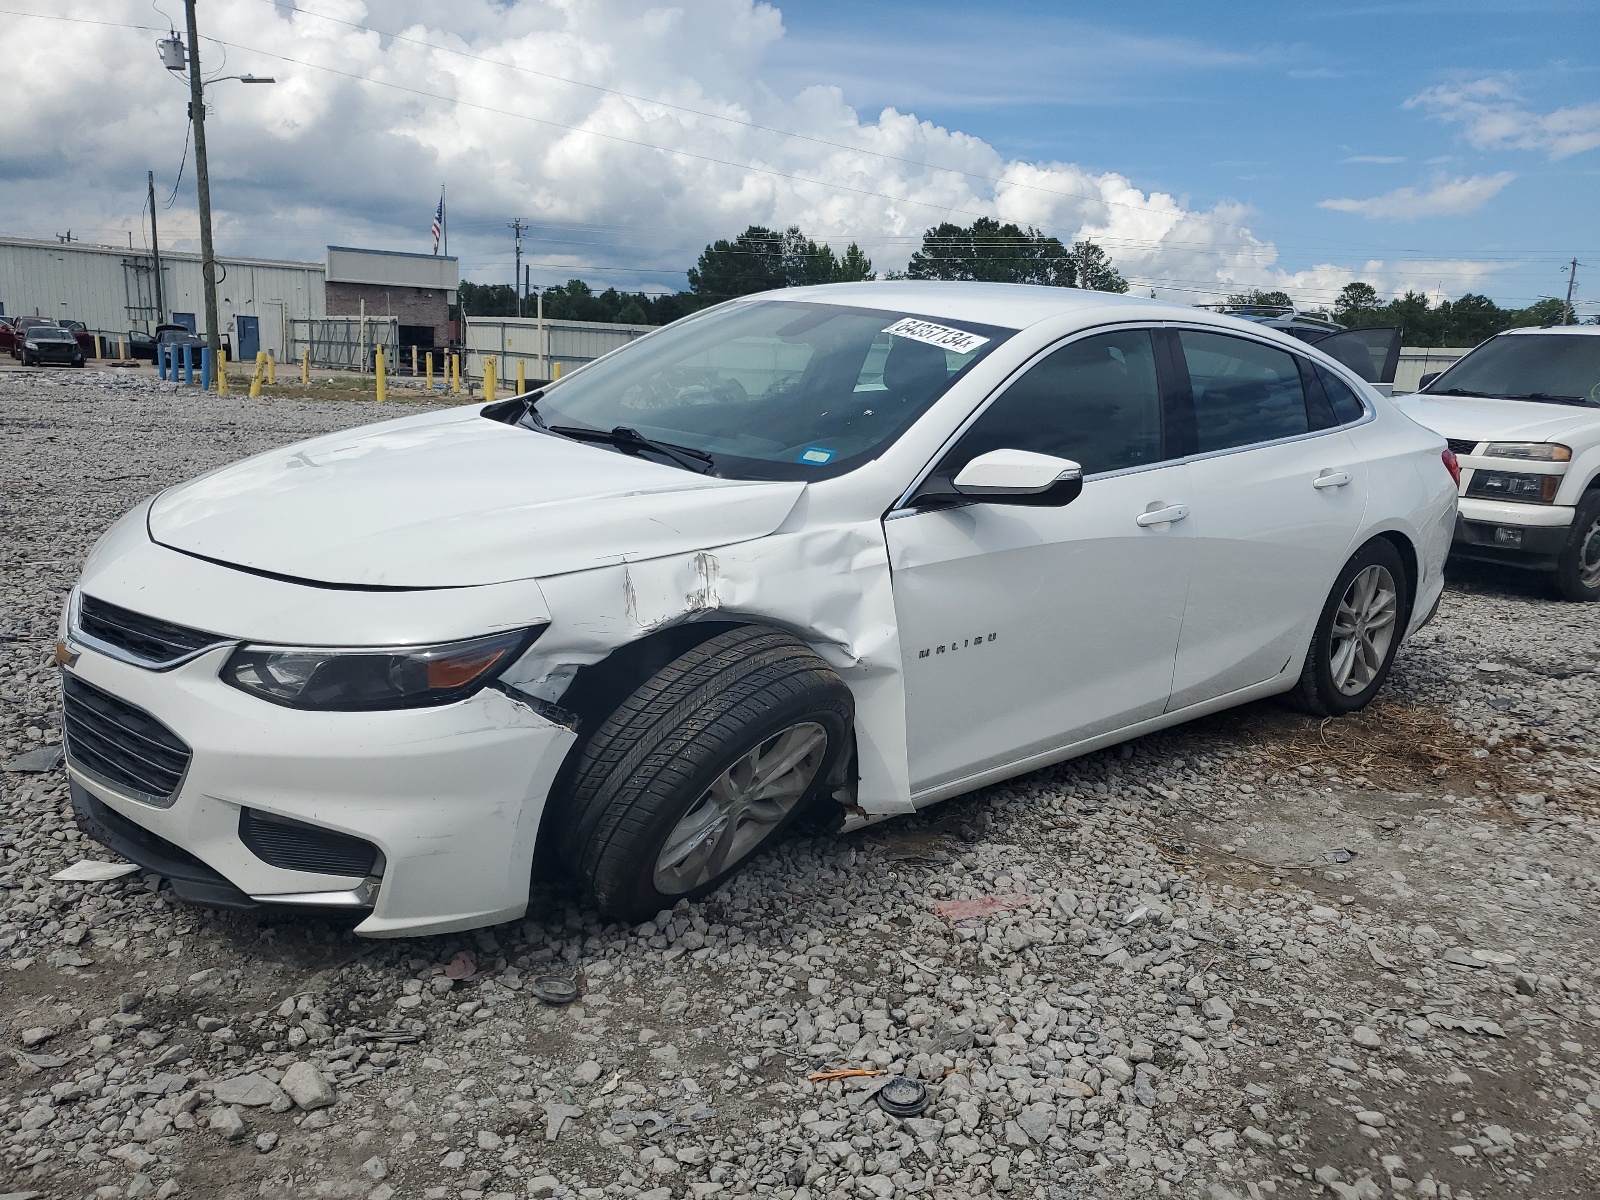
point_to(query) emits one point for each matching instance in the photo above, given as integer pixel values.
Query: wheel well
(1408, 560)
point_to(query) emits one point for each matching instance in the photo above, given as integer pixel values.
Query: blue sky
(1207, 147)
(1278, 106)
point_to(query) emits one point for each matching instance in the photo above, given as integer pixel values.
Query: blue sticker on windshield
(815, 455)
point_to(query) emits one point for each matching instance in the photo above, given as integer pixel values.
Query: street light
(175, 56)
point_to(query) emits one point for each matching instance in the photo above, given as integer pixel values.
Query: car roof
(1017, 305)
(1564, 330)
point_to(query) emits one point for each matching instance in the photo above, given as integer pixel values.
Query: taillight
(1452, 464)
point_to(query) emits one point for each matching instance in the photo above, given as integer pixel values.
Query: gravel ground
(1255, 956)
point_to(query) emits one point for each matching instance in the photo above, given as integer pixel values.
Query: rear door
(1373, 354)
(1278, 491)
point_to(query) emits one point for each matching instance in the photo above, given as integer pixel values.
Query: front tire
(706, 763)
(1578, 564)
(1357, 634)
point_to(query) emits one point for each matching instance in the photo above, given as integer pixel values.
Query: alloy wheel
(1363, 628)
(1589, 557)
(740, 808)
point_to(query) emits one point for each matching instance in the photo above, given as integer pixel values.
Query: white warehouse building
(112, 290)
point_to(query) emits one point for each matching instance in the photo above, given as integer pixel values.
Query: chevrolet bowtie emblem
(66, 656)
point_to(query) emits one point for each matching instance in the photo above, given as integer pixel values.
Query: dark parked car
(50, 344)
(80, 331)
(19, 327)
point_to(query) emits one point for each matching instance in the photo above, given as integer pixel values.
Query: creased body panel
(829, 586)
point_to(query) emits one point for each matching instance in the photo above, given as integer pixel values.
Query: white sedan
(855, 548)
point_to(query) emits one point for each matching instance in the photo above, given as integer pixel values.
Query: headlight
(31, 345)
(363, 679)
(1511, 485)
(1532, 451)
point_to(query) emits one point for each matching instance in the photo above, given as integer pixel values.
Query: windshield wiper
(631, 440)
(1458, 392)
(1547, 398)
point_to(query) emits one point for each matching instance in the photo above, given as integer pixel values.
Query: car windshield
(1556, 368)
(771, 389)
(49, 333)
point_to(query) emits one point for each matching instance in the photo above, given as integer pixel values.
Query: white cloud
(1446, 198)
(352, 143)
(1493, 117)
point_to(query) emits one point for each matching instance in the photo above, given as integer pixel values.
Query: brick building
(416, 289)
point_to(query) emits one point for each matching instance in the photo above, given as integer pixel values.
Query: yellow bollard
(122, 347)
(455, 372)
(491, 371)
(272, 367)
(255, 376)
(413, 362)
(97, 353)
(430, 370)
(522, 377)
(305, 366)
(381, 374)
(222, 373)
(555, 372)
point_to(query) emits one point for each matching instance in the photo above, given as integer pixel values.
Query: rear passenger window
(1095, 402)
(1347, 405)
(1244, 392)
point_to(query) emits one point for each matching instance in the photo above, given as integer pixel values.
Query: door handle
(1331, 479)
(1162, 516)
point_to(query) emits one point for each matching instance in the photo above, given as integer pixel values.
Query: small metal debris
(847, 1073)
(1338, 854)
(37, 762)
(902, 1097)
(554, 989)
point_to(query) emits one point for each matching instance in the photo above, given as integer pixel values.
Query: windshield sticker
(816, 456)
(957, 341)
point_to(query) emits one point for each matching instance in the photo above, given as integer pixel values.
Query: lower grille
(1461, 447)
(296, 846)
(119, 745)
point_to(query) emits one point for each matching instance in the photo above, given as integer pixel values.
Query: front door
(1279, 494)
(249, 337)
(1025, 629)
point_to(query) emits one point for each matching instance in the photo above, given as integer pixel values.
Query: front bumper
(1523, 535)
(450, 796)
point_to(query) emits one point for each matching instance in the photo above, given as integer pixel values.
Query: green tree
(632, 313)
(1541, 312)
(991, 252)
(485, 300)
(1357, 305)
(1256, 298)
(762, 260)
(1093, 271)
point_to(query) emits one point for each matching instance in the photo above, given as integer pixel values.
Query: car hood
(1486, 419)
(454, 500)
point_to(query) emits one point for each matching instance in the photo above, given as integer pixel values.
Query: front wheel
(1357, 634)
(1578, 564)
(700, 768)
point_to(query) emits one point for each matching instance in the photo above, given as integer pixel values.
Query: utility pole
(202, 176)
(516, 277)
(155, 251)
(1568, 317)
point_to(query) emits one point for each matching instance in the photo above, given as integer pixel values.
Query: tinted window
(1244, 392)
(1095, 401)
(1528, 366)
(1347, 405)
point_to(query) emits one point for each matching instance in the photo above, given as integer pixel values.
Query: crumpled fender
(829, 586)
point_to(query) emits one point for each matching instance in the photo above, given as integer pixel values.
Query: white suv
(1522, 412)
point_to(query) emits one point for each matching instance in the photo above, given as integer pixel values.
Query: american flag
(438, 216)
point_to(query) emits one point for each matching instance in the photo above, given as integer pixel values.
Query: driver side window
(1095, 401)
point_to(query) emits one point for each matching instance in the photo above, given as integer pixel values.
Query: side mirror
(1020, 477)
(1428, 378)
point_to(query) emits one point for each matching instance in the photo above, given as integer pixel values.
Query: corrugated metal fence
(345, 343)
(541, 345)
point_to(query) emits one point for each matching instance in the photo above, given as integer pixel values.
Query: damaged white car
(867, 546)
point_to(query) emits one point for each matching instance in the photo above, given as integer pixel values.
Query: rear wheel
(701, 767)
(1357, 634)
(1578, 564)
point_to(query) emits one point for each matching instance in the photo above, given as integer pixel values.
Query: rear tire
(1578, 564)
(705, 764)
(1357, 634)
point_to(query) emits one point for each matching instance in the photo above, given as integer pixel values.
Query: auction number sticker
(957, 341)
